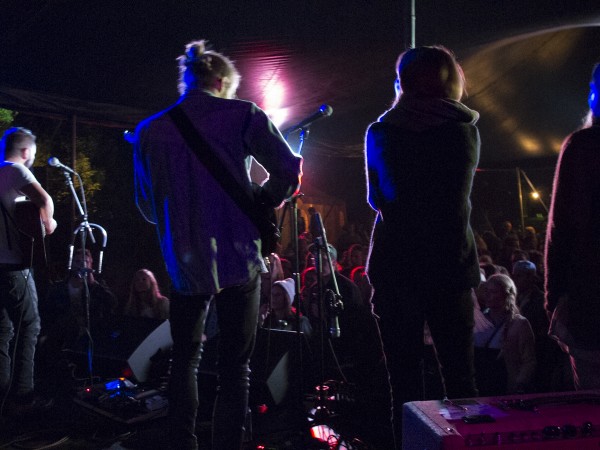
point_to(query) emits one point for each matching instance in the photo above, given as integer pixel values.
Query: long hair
(200, 67)
(506, 283)
(430, 72)
(133, 304)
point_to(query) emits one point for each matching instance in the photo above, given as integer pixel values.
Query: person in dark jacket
(420, 159)
(572, 277)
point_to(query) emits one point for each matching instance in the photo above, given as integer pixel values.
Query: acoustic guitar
(31, 233)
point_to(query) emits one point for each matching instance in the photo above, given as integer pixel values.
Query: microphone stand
(334, 307)
(84, 230)
(292, 205)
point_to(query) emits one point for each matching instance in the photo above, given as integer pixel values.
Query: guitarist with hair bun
(18, 296)
(192, 181)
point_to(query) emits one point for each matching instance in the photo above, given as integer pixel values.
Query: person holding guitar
(208, 229)
(19, 315)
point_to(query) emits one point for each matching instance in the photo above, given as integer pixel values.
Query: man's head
(18, 145)
(282, 294)
(332, 252)
(524, 274)
(82, 259)
(206, 69)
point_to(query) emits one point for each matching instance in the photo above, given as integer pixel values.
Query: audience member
(279, 313)
(505, 348)
(304, 241)
(493, 243)
(307, 278)
(551, 362)
(145, 299)
(354, 257)
(529, 241)
(360, 278)
(65, 309)
(349, 235)
(482, 248)
(72, 310)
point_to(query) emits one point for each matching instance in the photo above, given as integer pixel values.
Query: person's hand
(50, 226)
(263, 312)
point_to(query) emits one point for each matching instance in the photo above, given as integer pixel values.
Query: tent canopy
(69, 57)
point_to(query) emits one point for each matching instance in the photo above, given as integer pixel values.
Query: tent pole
(73, 161)
(541, 200)
(413, 24)
(409, 20)
(520, 187)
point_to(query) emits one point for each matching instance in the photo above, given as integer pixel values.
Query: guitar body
(31, 234)
(270, 235)
(265, 219)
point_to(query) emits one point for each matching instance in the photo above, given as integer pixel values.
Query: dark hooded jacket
(420, 161)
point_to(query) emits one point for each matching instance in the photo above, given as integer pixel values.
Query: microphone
(54, 162)
(129, 136)
(334, 326)
(334, 303)
(324, 111)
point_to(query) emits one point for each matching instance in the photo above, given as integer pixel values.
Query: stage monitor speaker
(557, 421)
(125, 347)
(275, 365)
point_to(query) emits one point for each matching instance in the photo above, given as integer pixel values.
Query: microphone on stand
(54, 162)
(129, 136)
(324, 111)
(334, 326)
(334, 304)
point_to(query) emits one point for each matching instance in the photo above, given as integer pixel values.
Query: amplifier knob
(587, 429)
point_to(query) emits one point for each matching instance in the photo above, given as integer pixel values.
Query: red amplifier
(560, 421)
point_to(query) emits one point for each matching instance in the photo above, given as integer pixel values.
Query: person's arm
(372, 163)
(40, 198)
(142, 179)
(567, 206)
(267, 146)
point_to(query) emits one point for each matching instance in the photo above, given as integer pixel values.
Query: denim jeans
(237, 314)
(19, 318)
(449, 314)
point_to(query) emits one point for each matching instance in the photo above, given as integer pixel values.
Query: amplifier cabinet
(560, 421)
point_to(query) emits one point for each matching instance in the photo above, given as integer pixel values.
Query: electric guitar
(31, 233)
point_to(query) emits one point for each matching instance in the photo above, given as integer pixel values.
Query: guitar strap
(209, 159)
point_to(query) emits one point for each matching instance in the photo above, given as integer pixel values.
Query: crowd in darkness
(507, 258)
(520, 357)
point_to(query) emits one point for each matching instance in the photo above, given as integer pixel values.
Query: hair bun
(194, 51)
